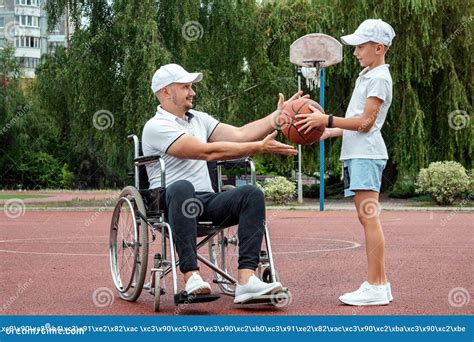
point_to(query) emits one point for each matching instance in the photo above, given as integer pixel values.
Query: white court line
(46, 253)
(351, 246)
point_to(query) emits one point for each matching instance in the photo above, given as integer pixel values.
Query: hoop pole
(300, 181)
(321, 147)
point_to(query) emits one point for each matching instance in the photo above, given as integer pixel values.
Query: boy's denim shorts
(363, 174)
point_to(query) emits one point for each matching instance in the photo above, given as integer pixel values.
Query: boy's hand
(312, 120)
(326, 134)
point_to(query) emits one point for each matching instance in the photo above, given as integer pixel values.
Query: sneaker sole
(200, 291)
(247, 296)
(355, 303)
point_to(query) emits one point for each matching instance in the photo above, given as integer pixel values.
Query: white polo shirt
(161, 131)
(359, 145)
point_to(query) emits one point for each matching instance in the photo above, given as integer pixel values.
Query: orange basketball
(287, 120)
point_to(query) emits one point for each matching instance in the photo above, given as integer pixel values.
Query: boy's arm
(361, 124)
(331, 133)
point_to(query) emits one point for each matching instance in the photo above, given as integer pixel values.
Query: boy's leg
(367, 205)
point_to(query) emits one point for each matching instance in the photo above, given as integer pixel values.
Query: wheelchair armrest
(147, 159)
(229, 164)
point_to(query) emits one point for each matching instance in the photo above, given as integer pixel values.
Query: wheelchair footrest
(272, 298)
(184, 298)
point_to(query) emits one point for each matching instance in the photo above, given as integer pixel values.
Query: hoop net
(312, 76)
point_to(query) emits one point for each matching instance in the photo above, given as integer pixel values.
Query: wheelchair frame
(145, 222)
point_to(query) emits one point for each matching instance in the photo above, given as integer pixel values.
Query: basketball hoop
(312, 74)
(311, 54)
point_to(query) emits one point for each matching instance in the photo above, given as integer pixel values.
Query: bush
(39, 170)
(311, 191)
(405, 188)
(66, 177)
(279, 190)
(443, 181)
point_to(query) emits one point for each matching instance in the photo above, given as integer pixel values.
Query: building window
(29, 62)
(28, 42)
(27, 20)
(27, 2)
(1, 3)
(2, 21)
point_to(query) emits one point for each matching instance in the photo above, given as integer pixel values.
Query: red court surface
(52, 263)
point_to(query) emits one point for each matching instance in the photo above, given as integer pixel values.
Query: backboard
(315, 47)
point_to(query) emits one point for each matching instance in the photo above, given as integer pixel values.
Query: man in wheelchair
(186, 140)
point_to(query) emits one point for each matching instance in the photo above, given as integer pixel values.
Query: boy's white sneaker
(195, 285)
(366, 295)
(389, 291)
(254, 288)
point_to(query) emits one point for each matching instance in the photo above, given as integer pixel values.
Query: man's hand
(312, 120)
(281, 104)
(270, 145)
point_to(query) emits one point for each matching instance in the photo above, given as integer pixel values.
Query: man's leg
(184, 226)
(244, 206)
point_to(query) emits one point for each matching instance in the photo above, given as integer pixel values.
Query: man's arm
(189, 147)
(253, 131)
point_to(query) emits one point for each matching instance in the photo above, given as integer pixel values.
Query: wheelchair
(139, 223)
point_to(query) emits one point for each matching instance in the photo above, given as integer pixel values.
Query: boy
(363, 149)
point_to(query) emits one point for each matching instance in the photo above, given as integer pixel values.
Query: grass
(88, 203)
(20, 196)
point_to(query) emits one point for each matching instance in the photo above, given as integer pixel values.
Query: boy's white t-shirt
(359, 145)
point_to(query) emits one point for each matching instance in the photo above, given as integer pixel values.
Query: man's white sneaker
(389, 291)
(367, 294)
(195, 285)
(254, 288)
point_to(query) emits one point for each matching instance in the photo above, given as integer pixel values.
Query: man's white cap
(172, 73)
(371, 30)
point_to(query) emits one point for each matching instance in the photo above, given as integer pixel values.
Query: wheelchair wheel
(128, 246)
(265, 274)
(227, 255)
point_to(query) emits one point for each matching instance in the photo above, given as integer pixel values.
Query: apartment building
(24, 24)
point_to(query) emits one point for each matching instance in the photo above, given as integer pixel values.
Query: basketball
(287, 120)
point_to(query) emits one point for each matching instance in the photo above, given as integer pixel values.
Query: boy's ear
(380, 49)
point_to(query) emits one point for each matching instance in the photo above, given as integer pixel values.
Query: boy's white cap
(172, 73)
(371, 30)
